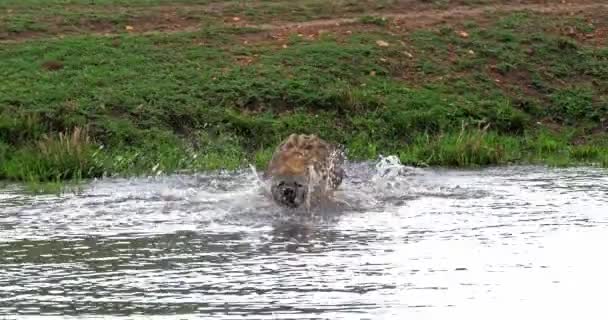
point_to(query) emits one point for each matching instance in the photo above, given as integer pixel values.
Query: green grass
(478, 148)
(205, 100)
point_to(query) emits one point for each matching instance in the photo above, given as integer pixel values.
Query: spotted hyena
(302, 167)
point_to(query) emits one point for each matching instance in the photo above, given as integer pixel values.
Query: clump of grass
(604, 159)
(23, 23)
(465, 148)
(575, 104)
(478, 147)
(55, 157)
(262, 157)
(375, 20)
(544, 145)
(66, 146)
(585, 152)
(554, 148)
(17, 128)
(362, 146)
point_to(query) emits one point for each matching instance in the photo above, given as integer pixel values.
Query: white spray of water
(259, 181)
(313, 179)
(389, 179)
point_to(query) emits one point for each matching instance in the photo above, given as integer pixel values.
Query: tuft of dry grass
(74, 144)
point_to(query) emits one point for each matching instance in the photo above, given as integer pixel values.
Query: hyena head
(289, 191)
(292, 164)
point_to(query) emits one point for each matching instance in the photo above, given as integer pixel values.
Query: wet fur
(294, 156)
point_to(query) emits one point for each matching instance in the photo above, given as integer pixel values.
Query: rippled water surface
(498, 243)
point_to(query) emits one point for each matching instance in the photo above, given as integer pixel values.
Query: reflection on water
(500, 242)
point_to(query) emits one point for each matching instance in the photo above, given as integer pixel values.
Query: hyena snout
(289, 193)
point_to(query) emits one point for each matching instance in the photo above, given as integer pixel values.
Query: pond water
(399, 242)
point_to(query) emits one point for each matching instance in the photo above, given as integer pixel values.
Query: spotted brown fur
(295, 155)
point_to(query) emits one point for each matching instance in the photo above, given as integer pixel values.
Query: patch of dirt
(281, 35)
(550, 124)
(406, 15)
(167, 22)
(514, 81)
(52, 65)
(245, 60)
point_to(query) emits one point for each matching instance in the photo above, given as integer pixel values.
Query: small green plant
(572, 104)
(375, 20)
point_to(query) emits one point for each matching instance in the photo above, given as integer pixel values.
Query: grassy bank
(496, 88)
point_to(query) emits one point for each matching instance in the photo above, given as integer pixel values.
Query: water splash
(265, 187)
(391, 178)
(389, 165)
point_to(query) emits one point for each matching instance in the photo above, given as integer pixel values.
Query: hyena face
(289, 191)
(302, 163)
